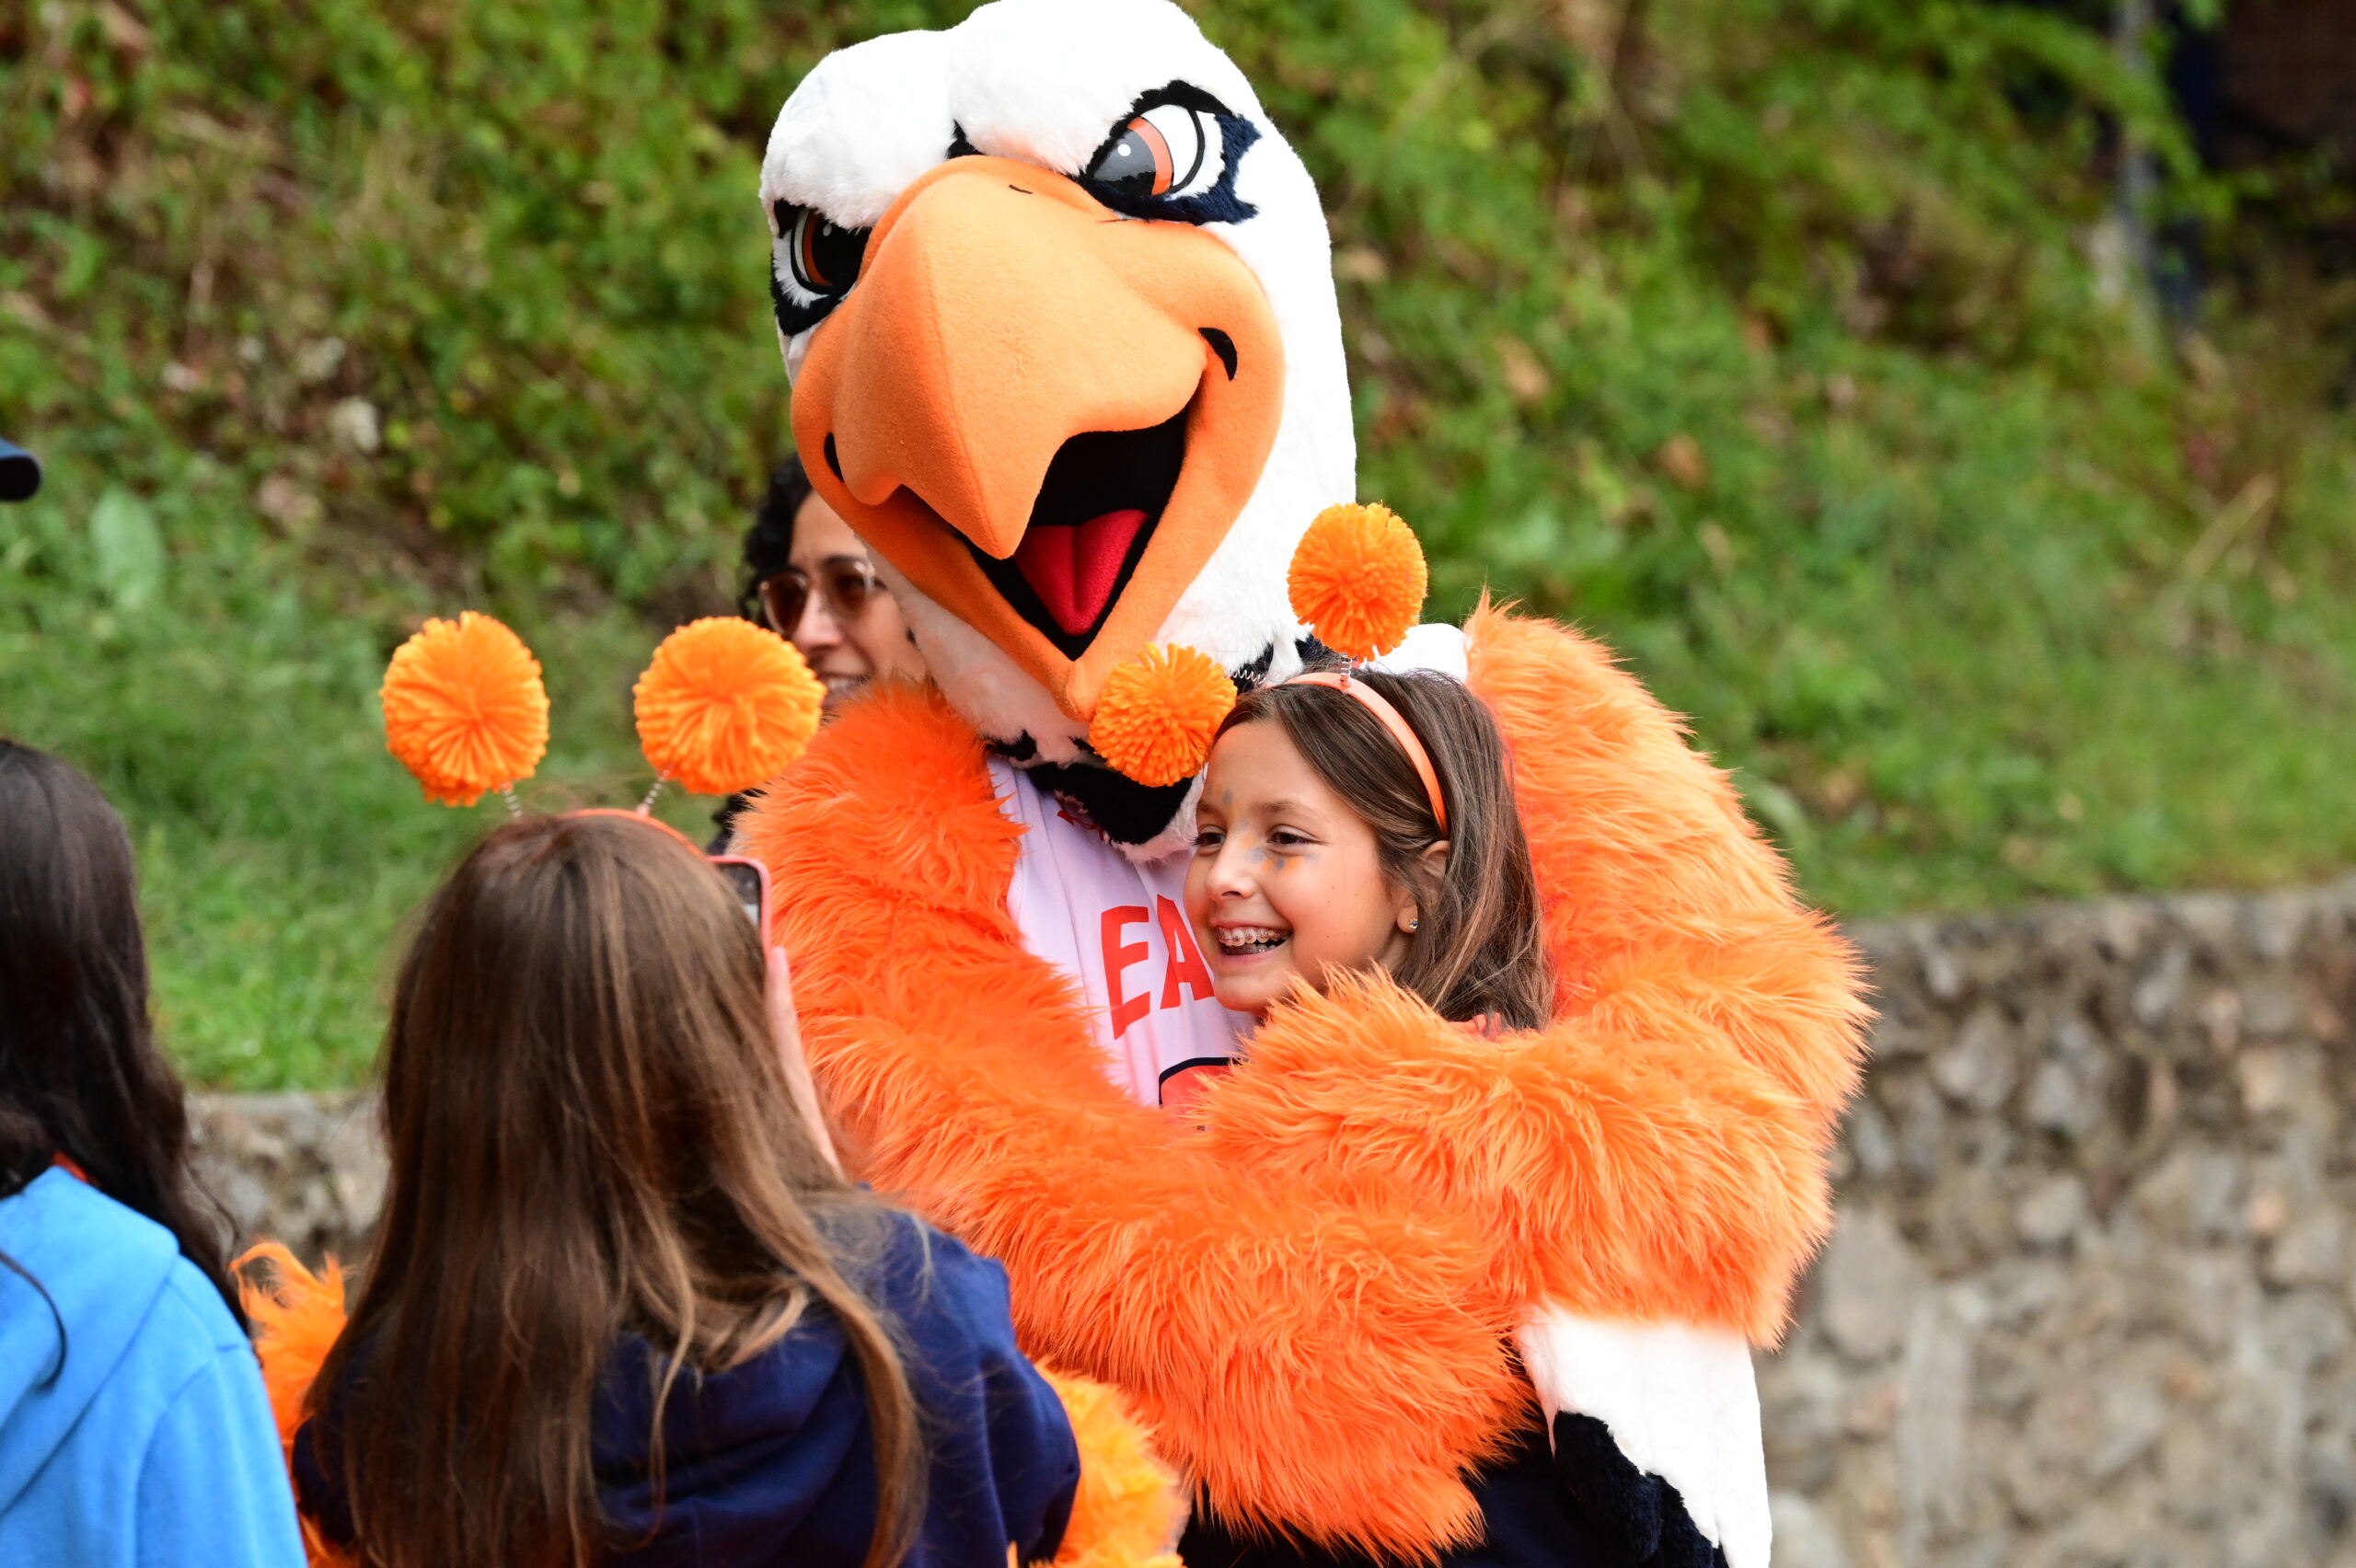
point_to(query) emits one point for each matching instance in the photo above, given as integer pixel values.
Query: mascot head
(1056, 301)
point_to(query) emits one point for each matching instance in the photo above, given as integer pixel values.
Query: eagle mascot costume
(1055, 298)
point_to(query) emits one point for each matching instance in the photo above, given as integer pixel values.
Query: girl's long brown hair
(591, 1134)
(1479, 948)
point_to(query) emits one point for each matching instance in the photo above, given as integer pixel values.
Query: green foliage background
(1768, 339)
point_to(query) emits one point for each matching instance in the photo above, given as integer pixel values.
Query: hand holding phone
(787, 1026)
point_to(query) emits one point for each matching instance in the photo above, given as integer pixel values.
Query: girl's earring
(1414, 925)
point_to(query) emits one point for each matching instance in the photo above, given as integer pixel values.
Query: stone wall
(307, 1170)
(2090, 1301)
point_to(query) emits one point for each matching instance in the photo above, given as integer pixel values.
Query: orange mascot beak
(1045, 414)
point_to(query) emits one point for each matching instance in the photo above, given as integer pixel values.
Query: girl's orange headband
(1392, 720)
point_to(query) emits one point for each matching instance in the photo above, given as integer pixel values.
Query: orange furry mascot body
(1311, 1303)
(1057, 300)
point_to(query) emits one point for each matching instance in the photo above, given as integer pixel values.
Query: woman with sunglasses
(810, 579)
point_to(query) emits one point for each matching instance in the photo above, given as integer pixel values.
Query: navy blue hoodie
(772, 1462)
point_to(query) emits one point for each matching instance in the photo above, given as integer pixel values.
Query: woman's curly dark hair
(768, 542)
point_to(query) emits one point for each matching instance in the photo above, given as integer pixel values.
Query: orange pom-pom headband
(1392, 720)
(465, 710)
(1357, 580)
(1158, 712)
(725, 705)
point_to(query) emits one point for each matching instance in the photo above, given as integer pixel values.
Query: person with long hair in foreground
(624, 1308)
(132, 1423)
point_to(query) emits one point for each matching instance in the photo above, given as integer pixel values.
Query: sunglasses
(845, 586)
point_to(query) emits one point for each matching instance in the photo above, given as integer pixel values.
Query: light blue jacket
(143, 1437)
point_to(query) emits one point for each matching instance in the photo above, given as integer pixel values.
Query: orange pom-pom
(1357, 579)
(464, 709)
(1158, 711)
(725, 705)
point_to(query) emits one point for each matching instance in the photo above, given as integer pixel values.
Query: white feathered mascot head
(1056, 301)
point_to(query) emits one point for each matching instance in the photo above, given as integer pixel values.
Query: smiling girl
(1360, 858)
(1365, 822)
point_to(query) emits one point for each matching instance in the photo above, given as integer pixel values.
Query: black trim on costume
(1123, 809)
(1168, 1073)
(1633, 1516)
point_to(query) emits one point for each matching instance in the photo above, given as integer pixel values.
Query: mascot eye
(1171, 150)
(814, 264)
(824, 255)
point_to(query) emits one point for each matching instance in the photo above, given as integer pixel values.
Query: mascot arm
(1692, 991)
(1316, 1351)
(1667, 917)
(1658, 1151)
(1286, 1340)
(1617, 1174)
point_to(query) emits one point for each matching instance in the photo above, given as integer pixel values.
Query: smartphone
(749, 880)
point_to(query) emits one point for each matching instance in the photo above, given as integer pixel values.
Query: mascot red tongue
(1056, 297)
(1074, 570)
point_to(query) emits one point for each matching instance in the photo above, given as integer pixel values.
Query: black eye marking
(959, 147)
(1222, 345)
(1173, 157)
(834, 464)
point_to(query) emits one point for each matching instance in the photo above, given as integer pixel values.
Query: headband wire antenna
(725, 705)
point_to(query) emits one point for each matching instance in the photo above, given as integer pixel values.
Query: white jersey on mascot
(1056, 298)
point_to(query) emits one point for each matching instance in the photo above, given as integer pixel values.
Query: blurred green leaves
(127, 551)
(1783, 344)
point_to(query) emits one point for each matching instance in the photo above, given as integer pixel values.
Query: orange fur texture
(1127, 1513)
(1283, 1345)
(296, 1318)
(1310, 1304)
(1658, 1151)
